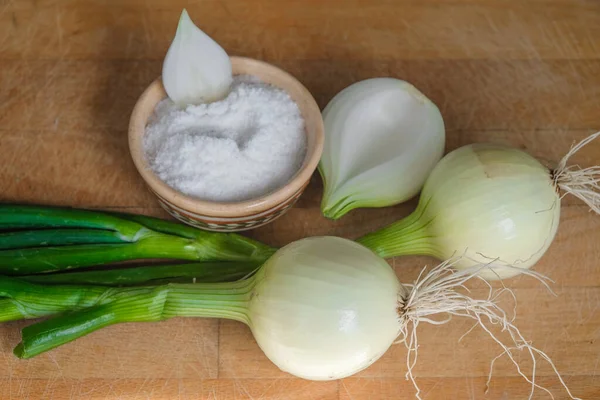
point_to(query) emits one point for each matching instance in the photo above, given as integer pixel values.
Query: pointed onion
(196, 69)
(382, 138)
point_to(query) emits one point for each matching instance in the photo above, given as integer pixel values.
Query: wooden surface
(521, 72)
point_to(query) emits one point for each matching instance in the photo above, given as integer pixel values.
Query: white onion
(489, 204)
(382, 138)
(325, 308)
(196, 69)
(321, 308)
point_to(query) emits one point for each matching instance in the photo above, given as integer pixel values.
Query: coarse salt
(242, 147)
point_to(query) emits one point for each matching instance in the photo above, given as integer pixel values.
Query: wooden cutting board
(524, 73)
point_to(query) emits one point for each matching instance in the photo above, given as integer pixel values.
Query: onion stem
(9, 311)
(23, 300)
(407, 236)
(139, 304)
(37, 296)
(168, 227)
(49, 259)
(26, 216)
(155, 274)
(61, 239)
(58, 237)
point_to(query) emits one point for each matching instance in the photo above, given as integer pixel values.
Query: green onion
(159, 225)
(37, 296)
(61, 239)
(135, 304)
(24, 300)
(320, 308)
(57, 237)
(157, 274)
(26, 216)
(10, 311)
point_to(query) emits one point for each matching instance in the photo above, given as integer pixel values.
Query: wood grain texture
(523, 73)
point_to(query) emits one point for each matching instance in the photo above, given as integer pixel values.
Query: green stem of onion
(155, 245)
(58, 237)
(24, 300)
(159, 225)
(48, 259)
(157, 274)
(10, 311)
(408, 236)
(108, 238)
(128, 225)
(37, 296)
(26, 216)
(140, 304)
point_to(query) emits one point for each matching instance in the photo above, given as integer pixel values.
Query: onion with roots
(321, 308)
(491, 204)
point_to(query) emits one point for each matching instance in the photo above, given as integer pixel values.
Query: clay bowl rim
(250, 207)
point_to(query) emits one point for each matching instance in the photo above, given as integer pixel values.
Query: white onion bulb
(325, 308)
(382, 138)
(489, 204)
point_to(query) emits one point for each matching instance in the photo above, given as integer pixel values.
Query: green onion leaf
(26, 216)
(24, 300)
(57, 237)
(157, 274)
(139, 304)
(87, 238)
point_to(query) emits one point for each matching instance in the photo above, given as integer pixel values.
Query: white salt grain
(244, 146)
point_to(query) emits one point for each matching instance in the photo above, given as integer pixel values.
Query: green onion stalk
(82, 309)
(149, 274)
(37, 239)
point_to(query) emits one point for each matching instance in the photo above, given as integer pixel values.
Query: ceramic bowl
(232, 216)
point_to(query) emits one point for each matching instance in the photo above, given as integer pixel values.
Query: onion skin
(488, 203)
(325, 308)
(508, 211)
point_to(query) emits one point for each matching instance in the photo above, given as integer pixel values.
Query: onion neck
(337, 203)
(334, 207)
(139, 304)
(409, 236)
(228, 300)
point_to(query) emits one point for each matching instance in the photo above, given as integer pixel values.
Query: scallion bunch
(35, 240)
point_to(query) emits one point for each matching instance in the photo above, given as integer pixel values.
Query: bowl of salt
(234, 164)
